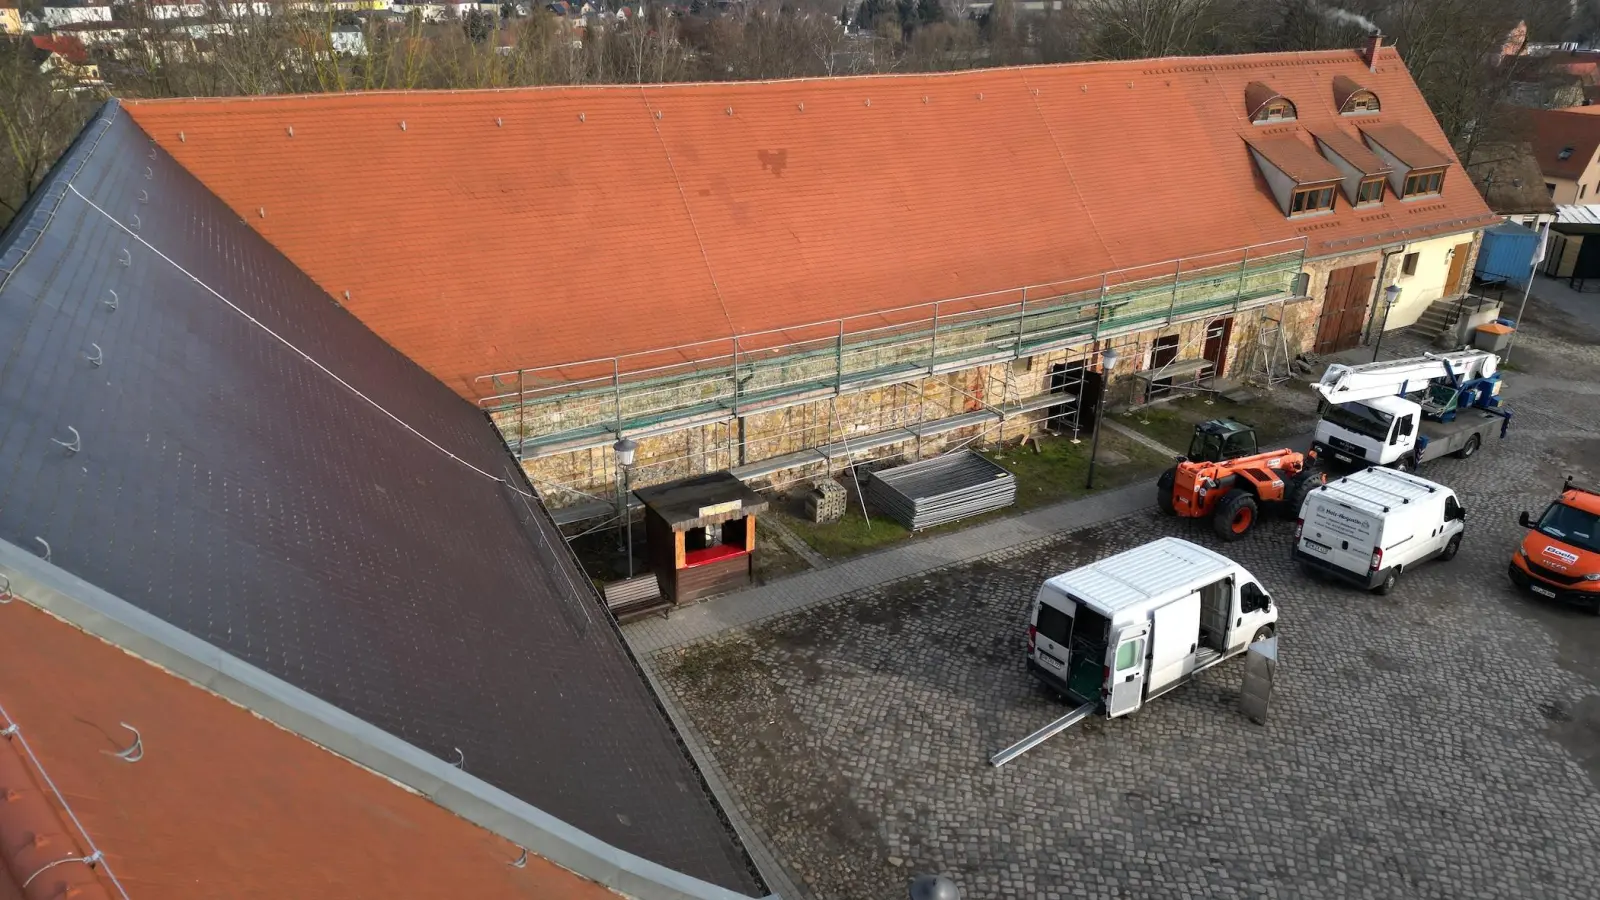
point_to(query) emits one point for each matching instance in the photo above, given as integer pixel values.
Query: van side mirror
(1525, 520)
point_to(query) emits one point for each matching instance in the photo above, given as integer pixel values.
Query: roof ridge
(1153, 65)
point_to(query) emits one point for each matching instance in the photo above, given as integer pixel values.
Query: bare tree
(38, 118)
(1140, 29)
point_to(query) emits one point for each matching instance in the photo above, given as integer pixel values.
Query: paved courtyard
(1440, 742)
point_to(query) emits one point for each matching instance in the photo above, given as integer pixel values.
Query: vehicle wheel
(1307, 481)
(1451, 548)
(1388, 583)
(1263, 633)
(1404, 464)
(1236, 515)
(1164, 492)
(1471, 448)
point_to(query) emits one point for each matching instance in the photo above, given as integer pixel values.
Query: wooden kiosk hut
(702, 534)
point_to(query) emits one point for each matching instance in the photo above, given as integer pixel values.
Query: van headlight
(1592, 576)
(1524, 554)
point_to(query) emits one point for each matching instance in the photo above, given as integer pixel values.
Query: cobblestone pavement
(1442, 742)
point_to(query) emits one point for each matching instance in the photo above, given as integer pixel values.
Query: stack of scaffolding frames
(555, 409)
(941, 490)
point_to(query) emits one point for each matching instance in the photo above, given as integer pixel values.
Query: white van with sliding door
(1370, 527)
(1132, 626)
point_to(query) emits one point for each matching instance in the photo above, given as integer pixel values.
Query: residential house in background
(65, 58)
(1325, 179)
(1508, 177)
(66, 12)
(1566, 143)
(10, 17)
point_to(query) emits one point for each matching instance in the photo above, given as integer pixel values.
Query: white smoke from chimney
(1345, 17)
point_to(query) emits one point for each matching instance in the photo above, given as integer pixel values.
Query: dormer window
(1351, 98)
(1364, 102)
(1263, 104)
(1370, 191)
(1311, 200)
(1278, 110)
(1566, 153)
(1420, 184)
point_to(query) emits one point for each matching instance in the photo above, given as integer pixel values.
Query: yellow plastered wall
(1427, 283)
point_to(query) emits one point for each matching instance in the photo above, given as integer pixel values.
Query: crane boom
(1350, 384)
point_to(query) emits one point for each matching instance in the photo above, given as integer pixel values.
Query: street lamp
(934, 887)
(1108, 361)
(1390, 295)
(625, 449)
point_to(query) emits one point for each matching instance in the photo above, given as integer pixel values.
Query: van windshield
(1362, 420)
(1571, 525)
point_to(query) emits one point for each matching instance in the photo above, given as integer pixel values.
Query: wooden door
(1218, 333)
(1458, 264)
(1344, 307)
(1163, 352)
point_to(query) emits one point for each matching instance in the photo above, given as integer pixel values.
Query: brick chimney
(1369, 50)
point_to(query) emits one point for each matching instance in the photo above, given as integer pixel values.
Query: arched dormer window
(1352, 99)
(1263, 104)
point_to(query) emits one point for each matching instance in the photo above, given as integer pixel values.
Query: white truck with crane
(1401, 413)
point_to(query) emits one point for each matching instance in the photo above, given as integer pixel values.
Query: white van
(1132, 626)
(1369, 527)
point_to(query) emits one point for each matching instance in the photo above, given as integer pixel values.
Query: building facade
(785, 278)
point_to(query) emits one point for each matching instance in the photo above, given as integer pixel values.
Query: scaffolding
(556, 409)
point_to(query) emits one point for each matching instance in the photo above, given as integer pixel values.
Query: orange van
(1560, 557)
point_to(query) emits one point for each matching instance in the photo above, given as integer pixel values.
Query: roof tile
(615, 220)
(1405, 145)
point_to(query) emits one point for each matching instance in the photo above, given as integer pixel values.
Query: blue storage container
(1507, 254)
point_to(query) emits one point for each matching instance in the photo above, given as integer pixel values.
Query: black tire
(1387, 584)
(1451, 548)
(1263, 633)
(1236, 515)
(1404, 464)
(1301, 485)
(1164, 492)
(1471, 447)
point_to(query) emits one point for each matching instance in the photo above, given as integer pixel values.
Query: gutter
(1377, 288)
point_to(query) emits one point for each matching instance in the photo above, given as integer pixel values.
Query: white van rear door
(1125, 658)
(1176, 634)
(1340, 534)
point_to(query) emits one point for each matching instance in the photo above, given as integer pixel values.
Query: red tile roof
(1351, 150)
(223, 803)
(1295, 158)
(70, 48)
(1555, 130)
(608, 220)
(1344, 87)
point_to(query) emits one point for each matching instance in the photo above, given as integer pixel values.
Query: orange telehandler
(1225, 476)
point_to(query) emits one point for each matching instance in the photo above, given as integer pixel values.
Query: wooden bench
(634, 597)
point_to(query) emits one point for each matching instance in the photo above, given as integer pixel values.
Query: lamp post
(1108, 361)
(1390, 295)
(934, 887)
(625, 449)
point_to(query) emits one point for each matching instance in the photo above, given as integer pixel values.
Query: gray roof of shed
(260, 470)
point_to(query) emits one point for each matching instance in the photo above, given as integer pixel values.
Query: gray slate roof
(238, 491)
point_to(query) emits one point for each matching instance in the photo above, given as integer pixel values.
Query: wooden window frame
(1329, 189)
(1352, 107)
(1423, 175)
(1263, 116)
(1378, 180)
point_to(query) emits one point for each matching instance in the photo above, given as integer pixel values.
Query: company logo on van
(1561, 554)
